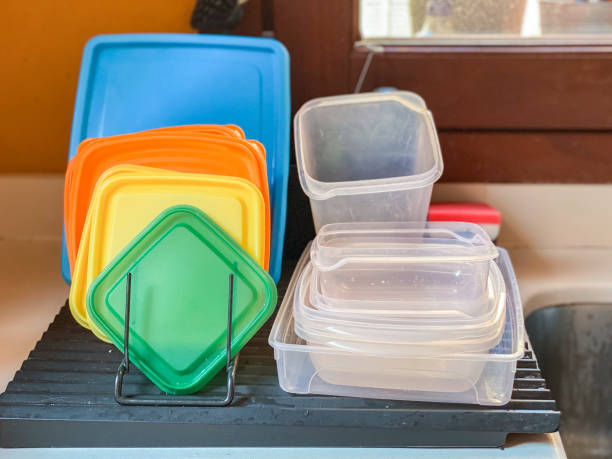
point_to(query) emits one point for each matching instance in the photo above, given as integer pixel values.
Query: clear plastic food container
(483, 378)
(367, 157)
(399, 335)
(435, 268)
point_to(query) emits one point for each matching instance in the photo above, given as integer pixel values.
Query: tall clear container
(367, 157)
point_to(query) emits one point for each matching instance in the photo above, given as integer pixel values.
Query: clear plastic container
(367, 157)
(400, 335)
(481, 378)
(450, 315)
(437, 268)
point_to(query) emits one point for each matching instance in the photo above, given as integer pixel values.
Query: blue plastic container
(134, 82)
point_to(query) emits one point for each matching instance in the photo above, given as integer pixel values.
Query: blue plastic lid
(135, 82)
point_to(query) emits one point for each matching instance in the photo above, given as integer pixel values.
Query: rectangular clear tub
(435, 268)
(367, 157)
(400, 335)
(477, 378)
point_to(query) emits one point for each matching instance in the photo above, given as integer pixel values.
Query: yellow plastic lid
(127, 198)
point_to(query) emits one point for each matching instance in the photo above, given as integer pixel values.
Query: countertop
(567, 266)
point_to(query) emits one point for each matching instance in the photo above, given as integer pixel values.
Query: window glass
(484, 21)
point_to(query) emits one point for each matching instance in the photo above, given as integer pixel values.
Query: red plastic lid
(464, 212)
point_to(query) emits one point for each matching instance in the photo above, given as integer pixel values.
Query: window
(485, 21)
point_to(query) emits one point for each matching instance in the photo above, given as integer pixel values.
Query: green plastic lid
(180, 267)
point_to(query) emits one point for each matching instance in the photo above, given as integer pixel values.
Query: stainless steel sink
(573, 344)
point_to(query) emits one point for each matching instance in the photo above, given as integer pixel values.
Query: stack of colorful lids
(115, 186)
(182, 210)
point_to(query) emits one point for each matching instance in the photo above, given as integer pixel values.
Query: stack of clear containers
(417, 311)
(414, 311)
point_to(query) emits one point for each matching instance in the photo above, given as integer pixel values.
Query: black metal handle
(175, 400)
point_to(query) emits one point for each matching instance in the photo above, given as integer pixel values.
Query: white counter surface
(519, 446)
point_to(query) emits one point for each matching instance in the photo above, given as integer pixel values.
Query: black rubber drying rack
(63, 397)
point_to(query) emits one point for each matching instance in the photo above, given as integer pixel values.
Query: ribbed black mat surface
(63, 397)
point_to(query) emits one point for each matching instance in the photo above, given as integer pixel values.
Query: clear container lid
(510, 348)
(419, 348)
(434, 310)
(397, 334)
(337, 244)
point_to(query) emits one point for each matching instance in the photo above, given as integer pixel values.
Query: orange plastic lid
(228, 130)
(184, 152)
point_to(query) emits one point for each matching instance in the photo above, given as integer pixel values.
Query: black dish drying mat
(63, 397)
